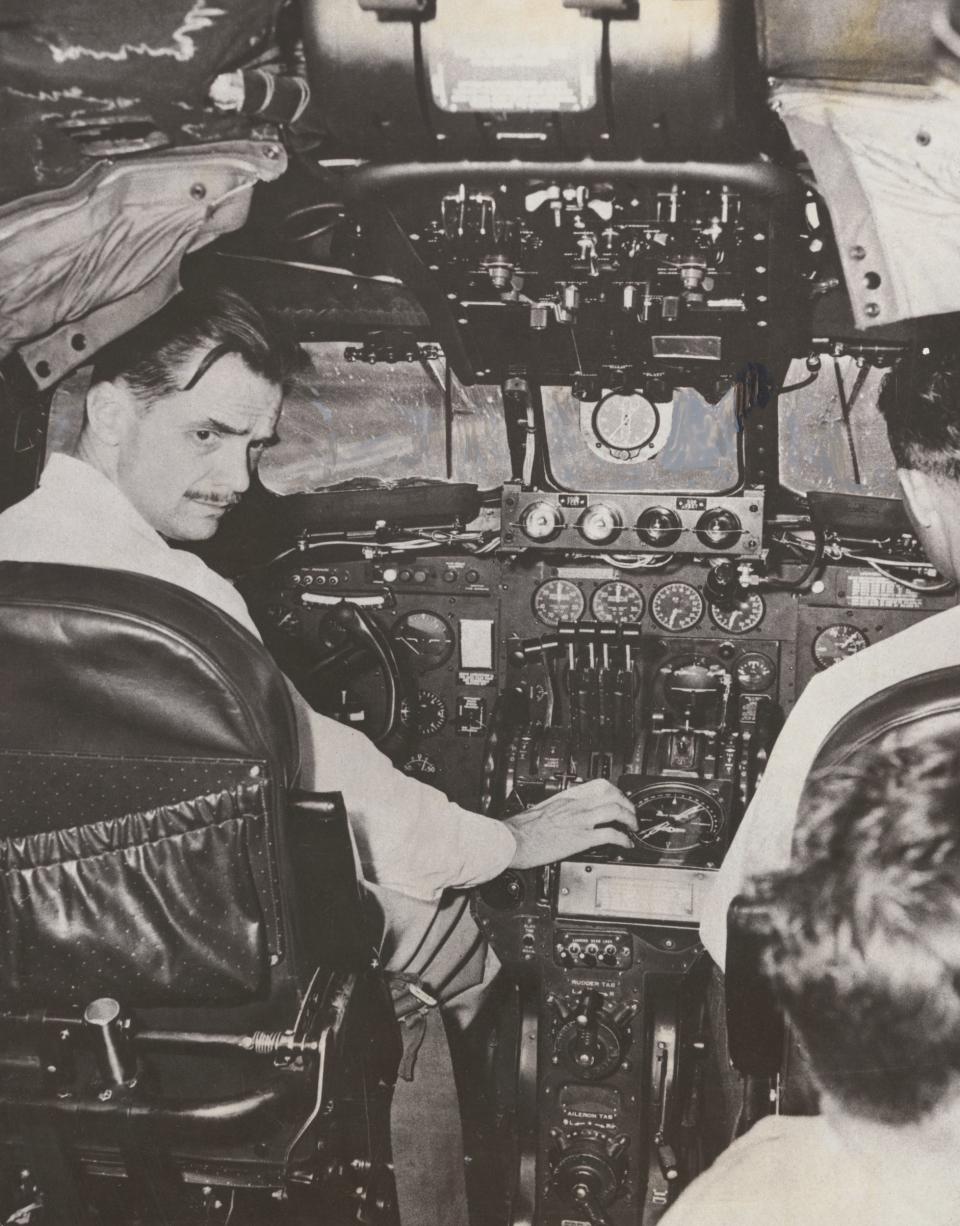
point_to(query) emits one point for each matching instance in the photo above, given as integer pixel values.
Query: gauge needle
(679, 817)
(411, 643)
(673, 618)
(656, 829)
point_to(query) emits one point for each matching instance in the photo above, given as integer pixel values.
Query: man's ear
(109, 406)
(920, 495)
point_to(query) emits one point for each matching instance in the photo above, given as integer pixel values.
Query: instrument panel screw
(923, 137)
(857, 253)
(871, 310)
(198, 191)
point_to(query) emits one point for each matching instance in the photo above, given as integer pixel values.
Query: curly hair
(920, 401)
(864, 952)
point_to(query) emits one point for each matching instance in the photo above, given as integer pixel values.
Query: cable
(794, 585)
(907, 583)
(644, 561)
(801, 383)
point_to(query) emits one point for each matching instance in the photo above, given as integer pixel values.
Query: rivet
(198, 191)
(857, 253)
(871, 310)
(78, 342)
(923, 137)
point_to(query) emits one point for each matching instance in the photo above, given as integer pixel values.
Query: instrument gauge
(617, 602)
(420, 766)
(424, 639)
(756, 672)
(558, 600)
(676, 606)
(625, 423)
(836, 643)
(743, 617)
(674, 818)
(424, 715)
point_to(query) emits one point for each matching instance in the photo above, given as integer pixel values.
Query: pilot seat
(193, 1023)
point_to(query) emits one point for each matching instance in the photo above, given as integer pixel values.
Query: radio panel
(722, 526)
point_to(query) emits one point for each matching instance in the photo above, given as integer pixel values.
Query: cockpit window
(352, 422)
(624, 442)
(821, 447)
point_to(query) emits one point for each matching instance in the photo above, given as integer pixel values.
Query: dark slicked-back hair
(920, 400)
(206, 324)
(865, 946)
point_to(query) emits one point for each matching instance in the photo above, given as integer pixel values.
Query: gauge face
(676, 606)
(420, 766)
(745, 615)
(558, 600)
(674, 818)
(625, 422)
(617, 602)
(425, 715)
(837, 642)
(756, 672)
(424, 639)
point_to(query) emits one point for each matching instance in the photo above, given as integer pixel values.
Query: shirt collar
(80, 481)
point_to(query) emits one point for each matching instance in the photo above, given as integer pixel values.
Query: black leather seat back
(147, 746)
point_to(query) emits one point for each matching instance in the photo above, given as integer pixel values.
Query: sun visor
(84, 263)
(885, 160)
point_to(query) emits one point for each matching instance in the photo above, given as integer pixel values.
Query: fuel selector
(587, 1171)
(593, 1036)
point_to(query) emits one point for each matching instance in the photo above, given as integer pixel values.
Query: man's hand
(571, 822)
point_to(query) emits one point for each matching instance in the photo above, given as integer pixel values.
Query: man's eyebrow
(222, 427)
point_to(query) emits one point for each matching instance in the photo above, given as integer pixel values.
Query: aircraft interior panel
(580, 475)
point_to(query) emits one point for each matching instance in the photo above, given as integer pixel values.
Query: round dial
(420, 766)
(617, 602)
(837, 642)
(676, 606)
(541, 521)
(756, 672)
(745, 615)
(625, 422)
(659, 527)
(675, 817)
(423, 715)
(558, 600)
(718, 529)
(599, 524)
(424, 639)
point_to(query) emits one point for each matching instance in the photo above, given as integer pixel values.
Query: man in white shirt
(863, 953)
(921, 404)
(178, 413)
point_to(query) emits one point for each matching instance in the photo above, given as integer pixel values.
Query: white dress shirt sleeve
(409, 836)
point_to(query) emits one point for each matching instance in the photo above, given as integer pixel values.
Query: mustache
(215, 500)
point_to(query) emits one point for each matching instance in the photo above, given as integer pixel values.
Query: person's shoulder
(752, 1182)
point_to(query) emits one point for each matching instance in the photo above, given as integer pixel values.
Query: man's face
(187, 457)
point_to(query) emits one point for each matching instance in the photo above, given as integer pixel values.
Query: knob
(659, 526)
(585, 1173)
(599, 524)
(588, 1040)
(718, 528)
(541, 521)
